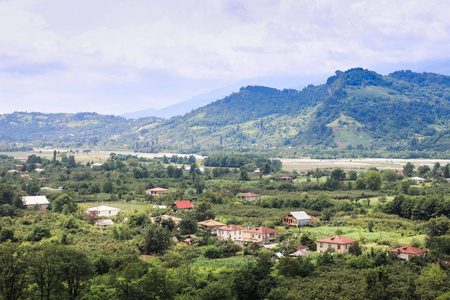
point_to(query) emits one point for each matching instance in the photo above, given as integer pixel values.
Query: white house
(103, 211)
(31, 201)
(233, 232)
(418, 179)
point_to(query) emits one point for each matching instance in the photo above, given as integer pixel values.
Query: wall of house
(107, 213)
(228, 234)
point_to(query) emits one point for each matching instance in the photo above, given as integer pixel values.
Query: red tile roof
(313, 218)
(408, 250)
(232, 228)
(337, 240)
(184, 204)
(263, 230)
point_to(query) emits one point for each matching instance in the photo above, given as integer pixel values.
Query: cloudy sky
(113, 56)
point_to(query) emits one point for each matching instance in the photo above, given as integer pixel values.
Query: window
(321, 245)
(330, 246)
(339, 247)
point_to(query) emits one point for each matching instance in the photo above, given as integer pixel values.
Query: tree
(355, 249)
(6, 234)
(373, 180)
(188, 225)
(408, 169)
(108, 187)
(46, 270)
(157, 239)
(244, 176)
(64, 203)
(76, 271)
(360, 184)
(13, 271)
(338, 174)
(37, 233)
(289, 267)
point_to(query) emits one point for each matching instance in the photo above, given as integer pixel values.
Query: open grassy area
(221, 264)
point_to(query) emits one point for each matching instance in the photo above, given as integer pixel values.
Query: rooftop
(263, 230)
(408, 250)
(184, 204)
(337, 240)
(232, 228)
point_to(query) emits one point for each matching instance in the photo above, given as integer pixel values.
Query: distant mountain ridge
(355, 110)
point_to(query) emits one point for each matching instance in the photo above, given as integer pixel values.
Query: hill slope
(353, 109)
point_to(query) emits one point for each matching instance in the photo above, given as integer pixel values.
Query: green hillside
(356, 111)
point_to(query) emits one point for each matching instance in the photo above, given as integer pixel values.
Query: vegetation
(59, 253)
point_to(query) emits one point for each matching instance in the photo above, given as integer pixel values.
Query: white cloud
(54, 49)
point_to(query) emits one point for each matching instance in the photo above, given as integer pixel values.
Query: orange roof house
(186, 204)
(340, 244)
(406, 252)
(260, 234)
(233, 232)
(249, 196)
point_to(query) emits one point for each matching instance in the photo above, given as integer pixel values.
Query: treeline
(238, 160)
(418, 208)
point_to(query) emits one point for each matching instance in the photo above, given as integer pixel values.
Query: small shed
(104, 223)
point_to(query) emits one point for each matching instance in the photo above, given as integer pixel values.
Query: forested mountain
(356, 110)
(353, 109)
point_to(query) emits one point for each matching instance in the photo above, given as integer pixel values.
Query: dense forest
(60, 253)
(356, 113)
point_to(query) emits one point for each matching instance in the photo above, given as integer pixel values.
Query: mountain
(183, 107)
(356, 111)
(206, 98)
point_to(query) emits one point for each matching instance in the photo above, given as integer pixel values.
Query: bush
(212, 252)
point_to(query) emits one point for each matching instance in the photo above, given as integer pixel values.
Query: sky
(113, 57)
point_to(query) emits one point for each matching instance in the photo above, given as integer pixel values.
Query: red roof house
(340, 244)
(406, 252)
(313, 218)
(186, 204)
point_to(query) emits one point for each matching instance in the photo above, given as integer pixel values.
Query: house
(233, 232)
(297, 218)
(96, 165)
(13, 171)
(260, 235)
(160, 206)
(287, 178)
(210, 224)
(300, 252)
(249, 196)
(277, 256)
(31, 201)
(418, 179)
(167, 217)
(43, 179)
(25, 176)
(406, 252)
(400, 173)
(104, 223)
(103, 211)
(340, 244)
(39, 170)
(157, 191)
(186, 204)
(313, 218)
